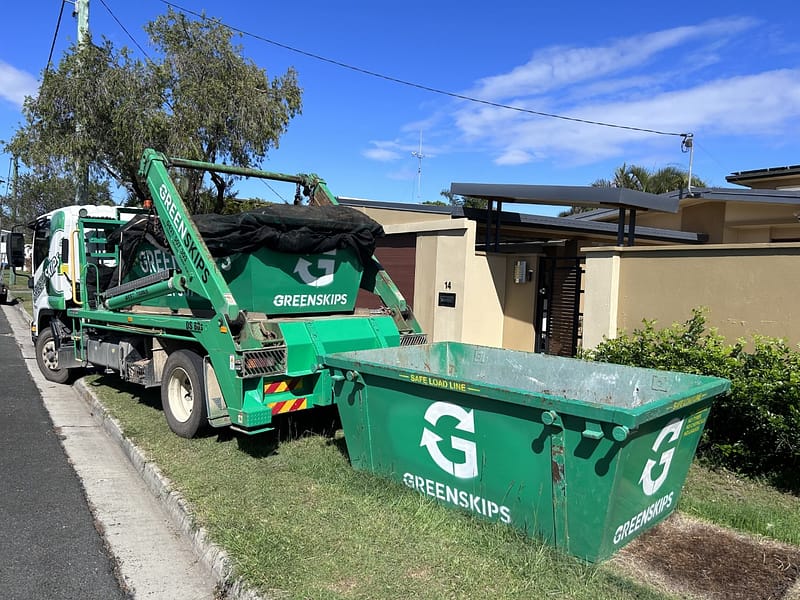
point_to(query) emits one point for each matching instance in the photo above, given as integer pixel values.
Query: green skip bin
(583, 455)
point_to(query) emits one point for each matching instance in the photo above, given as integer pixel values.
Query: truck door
(52, 288)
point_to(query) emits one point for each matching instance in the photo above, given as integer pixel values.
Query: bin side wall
(643, 477)
(490, 459)
(526, 374)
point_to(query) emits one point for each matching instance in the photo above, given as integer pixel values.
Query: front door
(559, 319)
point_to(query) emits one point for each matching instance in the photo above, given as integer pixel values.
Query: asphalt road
(49, 547)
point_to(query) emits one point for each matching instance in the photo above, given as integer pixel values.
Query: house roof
(422, 208)
(566, 195)
(556, 225)
(567, 225)
(790, 197)
(742, 177)
(740, 195)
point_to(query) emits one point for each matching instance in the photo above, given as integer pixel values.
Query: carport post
(497, 226)
(631, 227)
(489, 205)
(621, 227)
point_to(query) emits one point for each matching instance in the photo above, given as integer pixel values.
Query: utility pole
(13, 207)
(82, 168)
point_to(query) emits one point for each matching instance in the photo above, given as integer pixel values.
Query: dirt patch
(699, 560)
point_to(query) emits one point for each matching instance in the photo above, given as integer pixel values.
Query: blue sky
(725, 71)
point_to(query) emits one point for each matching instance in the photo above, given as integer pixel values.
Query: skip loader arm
(202, 274)
(199, 269)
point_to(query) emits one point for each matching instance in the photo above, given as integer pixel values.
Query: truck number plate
(194, 326)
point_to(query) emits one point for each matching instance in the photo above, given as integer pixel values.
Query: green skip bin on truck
(242, 318)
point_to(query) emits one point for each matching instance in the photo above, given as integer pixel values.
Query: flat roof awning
(567, 195)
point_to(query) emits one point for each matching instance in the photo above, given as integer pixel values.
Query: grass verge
(299, 522)
(19, 289)
(750, 506)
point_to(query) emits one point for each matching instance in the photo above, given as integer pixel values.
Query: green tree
(201, 100)
(464, 201)
(658, 181)
(41, 191)
(636, 177)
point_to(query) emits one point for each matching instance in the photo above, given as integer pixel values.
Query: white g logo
(466, 422)
(671, 431)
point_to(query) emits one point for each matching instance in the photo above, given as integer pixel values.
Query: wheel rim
(50, 356)
(180, 395)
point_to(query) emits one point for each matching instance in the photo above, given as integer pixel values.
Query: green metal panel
(280, 284)
(583, 455)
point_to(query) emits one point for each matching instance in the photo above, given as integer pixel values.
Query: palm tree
(660, 181)
(636, 177)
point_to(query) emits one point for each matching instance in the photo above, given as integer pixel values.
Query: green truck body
(232, 339)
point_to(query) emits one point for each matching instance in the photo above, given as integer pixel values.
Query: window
(41, 243)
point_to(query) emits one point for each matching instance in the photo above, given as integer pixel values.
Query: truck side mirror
(16, 250)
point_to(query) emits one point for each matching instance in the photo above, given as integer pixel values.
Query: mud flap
(216, 407)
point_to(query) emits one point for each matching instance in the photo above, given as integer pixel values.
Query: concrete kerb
(213, 558)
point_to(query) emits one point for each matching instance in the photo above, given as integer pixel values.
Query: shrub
(755, 428)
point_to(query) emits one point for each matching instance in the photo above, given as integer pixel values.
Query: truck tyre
(183, 393)
(47, 357)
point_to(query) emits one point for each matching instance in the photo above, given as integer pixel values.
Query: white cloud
(514, 156)
(557, 67)
(381, 154)
(393, 150)
(726, 106)
(16, 84)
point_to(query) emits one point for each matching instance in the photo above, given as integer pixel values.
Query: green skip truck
(240, 319)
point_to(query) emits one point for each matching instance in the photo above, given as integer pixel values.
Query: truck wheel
(47, 357)
(183, 394)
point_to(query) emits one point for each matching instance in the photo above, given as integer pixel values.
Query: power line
(128, 33)
(418, 85)
(55, 36)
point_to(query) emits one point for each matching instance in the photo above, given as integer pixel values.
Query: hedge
(755, 428)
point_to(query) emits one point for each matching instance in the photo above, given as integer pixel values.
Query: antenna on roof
(687, 145)
(419, 156)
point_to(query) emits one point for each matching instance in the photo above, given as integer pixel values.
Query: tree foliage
(41, 191)
(658, 181)
(642, 179)
(464, 201)
(201, 100)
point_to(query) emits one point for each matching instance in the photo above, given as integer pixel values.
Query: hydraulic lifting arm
(198, 267)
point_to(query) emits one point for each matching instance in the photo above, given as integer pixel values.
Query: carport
(626, 201)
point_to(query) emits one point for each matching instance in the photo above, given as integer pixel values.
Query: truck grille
(269, 361)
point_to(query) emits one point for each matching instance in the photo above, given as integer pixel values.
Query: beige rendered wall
(520, 303)
(447, 263)
(491, 310)
(749, 289)
(386, 216)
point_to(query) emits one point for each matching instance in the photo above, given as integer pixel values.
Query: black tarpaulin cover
(291, 229)
(280, 227)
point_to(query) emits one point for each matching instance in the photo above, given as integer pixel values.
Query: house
(549, 284)
(501, 278)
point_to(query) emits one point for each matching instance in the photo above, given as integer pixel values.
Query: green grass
(299, 522)
(19, 290)
(733, 501)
